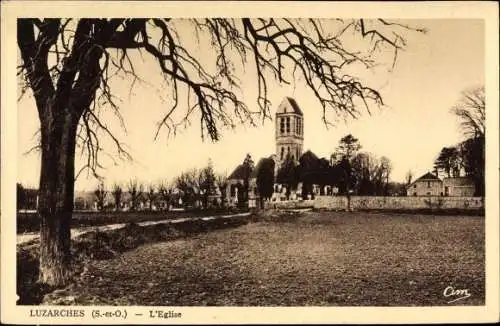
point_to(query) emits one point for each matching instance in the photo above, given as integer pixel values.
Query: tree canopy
(471, 110)
(71, 62)
(265, 178)
(448, 162)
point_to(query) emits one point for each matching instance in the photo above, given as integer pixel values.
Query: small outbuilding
(426, 185)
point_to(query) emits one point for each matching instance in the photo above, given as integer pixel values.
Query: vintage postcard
(249, 162)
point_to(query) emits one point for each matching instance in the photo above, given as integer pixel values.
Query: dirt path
(25, 237)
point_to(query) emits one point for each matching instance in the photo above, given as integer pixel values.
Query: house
(431, 185)
(461, 186)
(426, 185)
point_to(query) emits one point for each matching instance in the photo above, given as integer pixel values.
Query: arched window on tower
(282, 125)
(297, 150)
(287, 127)
(282, 152)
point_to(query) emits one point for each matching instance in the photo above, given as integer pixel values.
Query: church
(289, 142)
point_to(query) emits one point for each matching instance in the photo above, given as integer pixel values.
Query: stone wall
(375, 202)
(289, 204)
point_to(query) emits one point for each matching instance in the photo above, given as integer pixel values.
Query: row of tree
(349, 170)
(190, 186)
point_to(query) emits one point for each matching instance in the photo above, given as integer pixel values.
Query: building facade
(289, 131)
(461, 186)
(431, 185)
(426, 185)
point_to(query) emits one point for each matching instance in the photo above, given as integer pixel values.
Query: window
(287, 126)
(414, 194)
(415, 186)
(282, 126)
(428, 184)
(297, 150)
(428, 193)
(282, 152)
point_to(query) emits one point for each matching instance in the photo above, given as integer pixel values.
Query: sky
(410, 129)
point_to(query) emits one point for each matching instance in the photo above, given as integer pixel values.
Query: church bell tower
(289, 132)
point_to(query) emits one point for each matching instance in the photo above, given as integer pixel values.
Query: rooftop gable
(426, 177)
(289, 105)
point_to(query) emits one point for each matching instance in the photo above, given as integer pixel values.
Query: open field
(313, 258)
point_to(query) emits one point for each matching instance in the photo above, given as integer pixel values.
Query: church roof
(289, 105)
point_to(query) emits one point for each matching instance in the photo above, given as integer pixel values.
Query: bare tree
(151, 196)
(165, 192)
(117, 195)
(68, 65)
(409, 177)
(222, 182)
(189, 184)
(100, 194)
(135, 190)
(471, 110)
(386, 168)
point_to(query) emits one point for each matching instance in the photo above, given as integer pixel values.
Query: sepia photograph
(247, 160)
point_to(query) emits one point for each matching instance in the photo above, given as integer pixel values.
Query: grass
(301, 259)
(28, 222)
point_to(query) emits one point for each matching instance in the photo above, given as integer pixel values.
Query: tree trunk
(56, 196)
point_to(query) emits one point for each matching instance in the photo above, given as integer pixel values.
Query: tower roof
(289, 105)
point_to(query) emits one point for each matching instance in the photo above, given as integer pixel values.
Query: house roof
(289, 105)
(426, 177)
